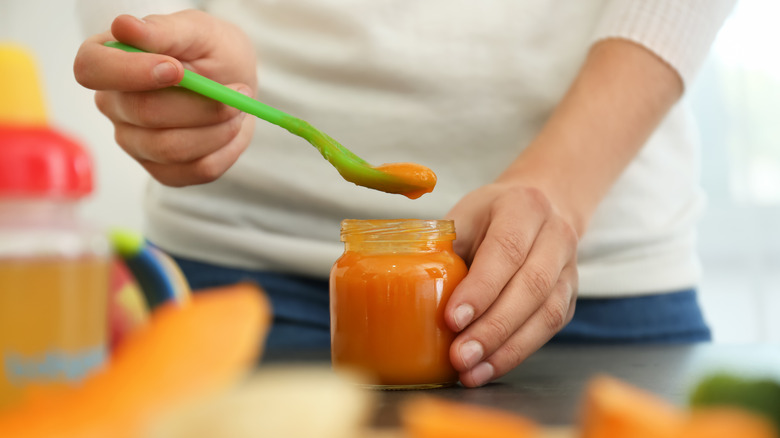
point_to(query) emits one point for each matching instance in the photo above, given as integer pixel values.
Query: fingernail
(482, 373)
(471, 353)
(245, 91)
(463, 315)
(165, 72)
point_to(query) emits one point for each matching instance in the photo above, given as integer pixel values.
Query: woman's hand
(179, 137)
(522, 282)
(520, 233)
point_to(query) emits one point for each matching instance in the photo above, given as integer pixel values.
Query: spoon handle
(214, 90)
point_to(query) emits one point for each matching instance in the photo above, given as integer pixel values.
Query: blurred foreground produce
(290, 402)
(615, 409)
(186, 374)
(186, 352)
(429, 417)
(726, 423)
(761, 396)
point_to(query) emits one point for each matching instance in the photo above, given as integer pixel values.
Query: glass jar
(388, 292)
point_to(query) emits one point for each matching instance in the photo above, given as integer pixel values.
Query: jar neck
(397, 246)
(397, 235)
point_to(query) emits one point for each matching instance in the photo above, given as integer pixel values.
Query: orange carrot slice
(429, 417)
(615, 409)
(727, 422)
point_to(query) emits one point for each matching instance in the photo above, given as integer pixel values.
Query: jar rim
(397, 229)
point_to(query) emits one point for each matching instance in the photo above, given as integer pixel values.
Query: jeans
(667, 318)
(302, 315)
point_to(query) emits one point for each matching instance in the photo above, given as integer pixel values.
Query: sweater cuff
(678, 31)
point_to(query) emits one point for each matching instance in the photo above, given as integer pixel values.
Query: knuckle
(161, 174)
(537, 198)
(573, 283)
(197, 14)
(513, 246)
(567, 233)
(164, 179)
(222, 112)
(538, 282)
(142, 109)
(120, 137)
(153, 18)
(80, 69)
(233, 128)
(169, 148)
(124, 137)
(169, 180)
(207, 170)
(103, 102)
(555, 314)
(513, 352)
(499, 327)
(571, 309)
(487, 287)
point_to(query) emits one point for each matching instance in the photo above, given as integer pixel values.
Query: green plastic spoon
(408, 179)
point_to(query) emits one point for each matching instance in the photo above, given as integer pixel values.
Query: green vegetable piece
(761, 396)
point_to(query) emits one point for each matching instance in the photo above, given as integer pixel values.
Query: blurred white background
(737, 98)
(50, 29)
(737, 101)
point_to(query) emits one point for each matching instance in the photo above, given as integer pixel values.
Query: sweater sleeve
(95, 16)
(679, 31)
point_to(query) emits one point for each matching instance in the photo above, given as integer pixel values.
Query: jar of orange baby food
(387, 297)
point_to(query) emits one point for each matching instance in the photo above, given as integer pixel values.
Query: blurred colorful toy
(127, 309)
(158, 276)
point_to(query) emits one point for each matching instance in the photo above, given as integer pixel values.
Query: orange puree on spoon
(415, 179)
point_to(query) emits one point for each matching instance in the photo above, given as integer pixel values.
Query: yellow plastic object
(21, 99)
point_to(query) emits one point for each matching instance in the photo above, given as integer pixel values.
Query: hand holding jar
(522, 282)
(520, 234)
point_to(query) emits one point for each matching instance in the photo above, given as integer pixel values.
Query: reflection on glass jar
(387, 297)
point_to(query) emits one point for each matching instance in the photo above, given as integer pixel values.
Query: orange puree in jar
(387, 293)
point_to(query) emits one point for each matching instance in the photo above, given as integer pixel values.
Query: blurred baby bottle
(54, 268)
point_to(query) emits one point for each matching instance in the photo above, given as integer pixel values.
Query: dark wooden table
(548, 387)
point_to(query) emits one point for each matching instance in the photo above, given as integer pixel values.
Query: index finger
(105, 68)
(500, 255)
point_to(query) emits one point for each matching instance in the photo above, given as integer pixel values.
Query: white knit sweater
(458, 86)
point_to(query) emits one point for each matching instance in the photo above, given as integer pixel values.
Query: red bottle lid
(36, 161)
